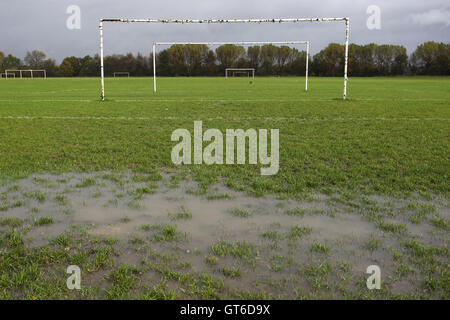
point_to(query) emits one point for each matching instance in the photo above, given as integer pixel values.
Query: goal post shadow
(187, 21)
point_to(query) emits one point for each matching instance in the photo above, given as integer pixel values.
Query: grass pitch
(389, 142)
(391, 135)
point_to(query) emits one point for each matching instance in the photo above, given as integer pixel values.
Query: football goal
(224, 21)
(121, 74)
(235, 43)
(5, 75)
(32, 73)
(235, 71)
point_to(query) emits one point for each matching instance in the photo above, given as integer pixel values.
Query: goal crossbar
(187, 21)
(219, 43)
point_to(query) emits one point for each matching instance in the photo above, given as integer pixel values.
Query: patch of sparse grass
(97, 194)
(184, 265)
(16, 204)
(298, 231)
(211, 260)
(62, 200)
(79, 258)
(102, 257)
(134, 204)
(295, 212)
(371, 244)
(319, 248)
(10, 221)
(220, 196)
(391, 227)
(271, 235)
(125, 219)
(13, 239)
(136, 240)
(278, 262)
(239, 249)
(85, 183)
(110, 240)
(440, 223)
(254, 295)
(242, 213)
(36, 195)
(43, 221)
(145, 227)
(317, 275)
(113, 177)
(159, 292)
(123, 279)
(149, 177)
(62, 240)
(182, 214)
(166, 232)
(418, 210)
(139, 193)
(403, 269)
(420, 250)
(232, 272)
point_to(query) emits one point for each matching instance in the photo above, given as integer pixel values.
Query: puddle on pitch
(287, 233)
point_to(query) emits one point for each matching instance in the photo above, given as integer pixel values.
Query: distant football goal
(240, 43)
(5, 75)
(29, 73)
(249, 72)
(121, 74)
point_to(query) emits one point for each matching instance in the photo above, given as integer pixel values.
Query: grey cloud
(434, 16)
(41, 24)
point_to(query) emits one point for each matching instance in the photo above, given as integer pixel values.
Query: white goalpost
(230, 42)
(224, 21)
(31, 71)
(127, 74)
(240, 70)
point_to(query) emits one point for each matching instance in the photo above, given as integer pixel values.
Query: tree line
(429, 58)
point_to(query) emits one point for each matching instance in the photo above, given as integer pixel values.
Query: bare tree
(35, 59)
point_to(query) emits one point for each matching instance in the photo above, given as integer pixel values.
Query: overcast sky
(41, 24)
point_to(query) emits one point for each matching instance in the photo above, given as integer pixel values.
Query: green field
(389, 140)
(391, 135)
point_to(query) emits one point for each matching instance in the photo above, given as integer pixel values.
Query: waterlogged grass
(40, 272)
(164, 232)
(238, 249)
(390, 136)
(242, 213)
(43, 221)
(182, 214)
